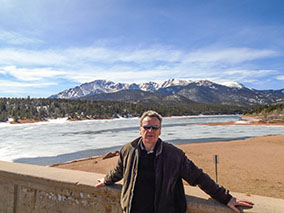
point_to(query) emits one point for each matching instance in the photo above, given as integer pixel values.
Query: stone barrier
(29, 188)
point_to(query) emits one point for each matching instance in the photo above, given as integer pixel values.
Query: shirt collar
(142, 147)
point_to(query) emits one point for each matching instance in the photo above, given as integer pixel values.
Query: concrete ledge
(31, 188)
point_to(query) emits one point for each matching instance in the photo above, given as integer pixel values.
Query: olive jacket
(171, 166)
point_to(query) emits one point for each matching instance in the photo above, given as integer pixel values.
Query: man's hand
(101, 182)
(234, 202)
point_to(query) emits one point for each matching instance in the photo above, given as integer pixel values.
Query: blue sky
(47, 46)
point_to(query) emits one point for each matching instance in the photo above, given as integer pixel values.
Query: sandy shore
(251, 166)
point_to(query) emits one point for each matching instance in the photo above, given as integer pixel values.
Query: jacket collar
(159, 145)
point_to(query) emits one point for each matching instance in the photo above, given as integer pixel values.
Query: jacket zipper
(155, 168)
(134, 181)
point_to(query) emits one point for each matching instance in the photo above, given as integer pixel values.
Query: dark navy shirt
(144, 191)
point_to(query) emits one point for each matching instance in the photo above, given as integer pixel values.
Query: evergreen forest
(40, 109)
(269, 113)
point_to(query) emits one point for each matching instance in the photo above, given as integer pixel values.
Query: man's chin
(150, 140)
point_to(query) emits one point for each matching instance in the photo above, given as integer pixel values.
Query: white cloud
(13, 84)
(117, 73)
(150, 55)
(22, 57)
(153, 55)
(229, 55)
(251, 73)
(92, 54)
(17, 39)
(86, 64)
(281, 77)
(13, 88)
(79, 56)
(108, 55)
(30, 74)
(128, 65)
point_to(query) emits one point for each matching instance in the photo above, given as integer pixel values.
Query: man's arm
(235, 202)
(195, 176)
(101, 182)
(114, 175)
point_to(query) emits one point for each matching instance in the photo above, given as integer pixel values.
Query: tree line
(269, 113)
(40, 109)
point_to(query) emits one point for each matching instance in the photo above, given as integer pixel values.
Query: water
(54, 142)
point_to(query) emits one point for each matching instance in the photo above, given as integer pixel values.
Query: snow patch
(232, 84)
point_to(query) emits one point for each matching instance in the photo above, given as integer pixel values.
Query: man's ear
(140, 130)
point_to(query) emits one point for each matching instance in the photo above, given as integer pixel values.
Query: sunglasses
(148, 127)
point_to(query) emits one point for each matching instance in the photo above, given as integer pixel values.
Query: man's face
(150, 135)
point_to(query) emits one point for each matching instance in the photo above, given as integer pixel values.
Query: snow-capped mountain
(149, 86)
(201, 91)
(104, 86)
(94, 87)
(175, 82)
(232, 84)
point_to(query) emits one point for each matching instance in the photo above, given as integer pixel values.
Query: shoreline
(31, 121)
(250, 166)
(244, 120)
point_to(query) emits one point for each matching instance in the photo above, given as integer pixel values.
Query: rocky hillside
(174, 92)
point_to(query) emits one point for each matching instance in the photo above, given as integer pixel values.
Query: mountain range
(173, 92)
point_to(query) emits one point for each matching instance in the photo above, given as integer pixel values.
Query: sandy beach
(251, 166)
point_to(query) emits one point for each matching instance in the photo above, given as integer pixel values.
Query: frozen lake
(58, 141)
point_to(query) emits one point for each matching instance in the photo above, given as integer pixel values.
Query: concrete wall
(30, 188)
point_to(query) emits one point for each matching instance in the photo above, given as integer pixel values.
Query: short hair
(151, 114)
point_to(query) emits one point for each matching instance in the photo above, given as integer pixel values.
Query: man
(152, 172)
